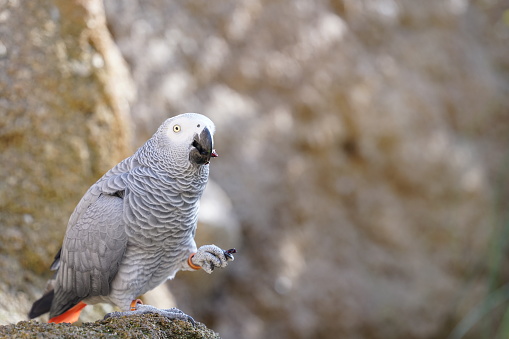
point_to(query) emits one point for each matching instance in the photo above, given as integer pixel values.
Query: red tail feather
(70, 316)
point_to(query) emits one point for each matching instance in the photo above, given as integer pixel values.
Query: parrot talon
(173, 310)
(210, 257)
(176, 310)
(228, 254)
(170, 313)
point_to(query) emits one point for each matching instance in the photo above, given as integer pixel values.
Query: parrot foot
(209, 257)
(170, 313)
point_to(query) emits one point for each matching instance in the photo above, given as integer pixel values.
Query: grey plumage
(134, 228)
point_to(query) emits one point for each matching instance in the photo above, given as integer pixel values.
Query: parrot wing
(91, 254)
(94, 243)
(113, 183)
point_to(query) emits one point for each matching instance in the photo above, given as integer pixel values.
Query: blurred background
(363, 173)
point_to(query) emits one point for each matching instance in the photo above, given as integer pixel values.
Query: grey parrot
(134, 228)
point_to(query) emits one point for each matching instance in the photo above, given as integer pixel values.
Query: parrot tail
(42, 305)
(69, 316)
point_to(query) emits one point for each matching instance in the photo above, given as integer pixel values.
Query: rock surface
(146, 326)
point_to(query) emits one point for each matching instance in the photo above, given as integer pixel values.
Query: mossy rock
(144, 326)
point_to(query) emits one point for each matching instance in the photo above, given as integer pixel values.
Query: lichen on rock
(144, 326)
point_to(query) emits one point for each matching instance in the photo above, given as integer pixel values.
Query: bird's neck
(171, 164)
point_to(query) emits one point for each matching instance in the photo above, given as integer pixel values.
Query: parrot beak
(202, 149)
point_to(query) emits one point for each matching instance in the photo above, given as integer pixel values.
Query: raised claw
(208, 257)
(228, 254)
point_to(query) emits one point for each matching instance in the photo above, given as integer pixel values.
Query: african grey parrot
(134, 228)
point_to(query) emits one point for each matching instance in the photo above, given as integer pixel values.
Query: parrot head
(189, 136)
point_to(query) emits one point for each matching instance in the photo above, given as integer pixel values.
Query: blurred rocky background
(363, 170)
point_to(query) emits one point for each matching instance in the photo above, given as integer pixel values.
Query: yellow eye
(176, 128)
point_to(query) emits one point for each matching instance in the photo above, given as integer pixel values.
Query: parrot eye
(176, 128)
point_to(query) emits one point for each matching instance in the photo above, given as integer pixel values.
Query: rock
(145, 326)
